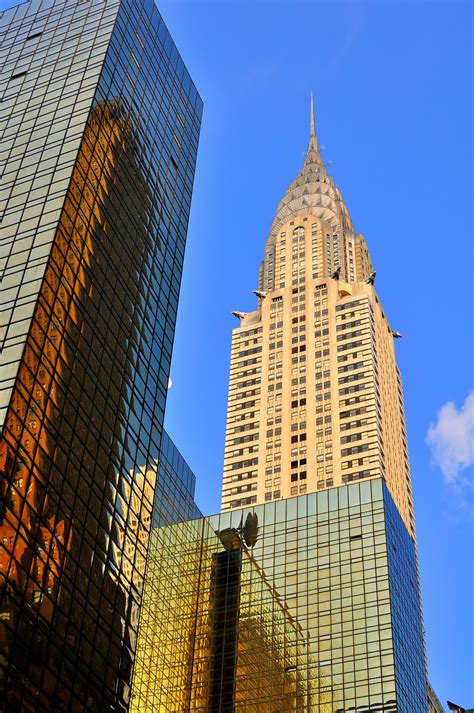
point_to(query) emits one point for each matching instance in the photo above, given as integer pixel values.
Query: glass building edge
(32, 11)
(434, 704)
(175, 487)
(109, 139)
(15, 7)
(407, 617)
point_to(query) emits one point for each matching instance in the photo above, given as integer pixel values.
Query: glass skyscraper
(100, 142)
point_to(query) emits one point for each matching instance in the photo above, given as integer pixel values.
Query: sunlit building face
(315, 398)
(101, 137)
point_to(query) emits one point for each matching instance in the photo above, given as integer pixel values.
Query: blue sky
(393, 99)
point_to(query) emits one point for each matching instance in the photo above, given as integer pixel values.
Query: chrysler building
(315, 397)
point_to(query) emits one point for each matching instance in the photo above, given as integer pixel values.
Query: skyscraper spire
(313, 141)
(313, 191)
(313, 154)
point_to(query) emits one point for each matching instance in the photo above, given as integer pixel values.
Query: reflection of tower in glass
(83, 416)
(50, 518)
(214, 633)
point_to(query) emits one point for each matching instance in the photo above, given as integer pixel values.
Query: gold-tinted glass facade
(102, 147)
(345, 565)
(319, 611)
(215, 635)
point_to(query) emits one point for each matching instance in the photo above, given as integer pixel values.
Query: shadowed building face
(91, 286)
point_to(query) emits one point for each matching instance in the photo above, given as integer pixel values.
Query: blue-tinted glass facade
(407, 619)
(175, 484)
(102, 133)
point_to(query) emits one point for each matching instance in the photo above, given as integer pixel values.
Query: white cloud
(451, 439)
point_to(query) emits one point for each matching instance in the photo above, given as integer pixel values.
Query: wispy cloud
(451, 440)
(355, 20)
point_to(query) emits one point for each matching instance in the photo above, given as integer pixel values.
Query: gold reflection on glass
(67, 516)
(292, 615)
(215, 635)
(101, 153)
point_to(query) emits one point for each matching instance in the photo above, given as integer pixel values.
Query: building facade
(214, 635)
(307, 604)
(100, 143)
(344, 563)
(315, 397)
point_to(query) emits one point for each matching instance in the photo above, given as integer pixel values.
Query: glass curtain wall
(94, 313)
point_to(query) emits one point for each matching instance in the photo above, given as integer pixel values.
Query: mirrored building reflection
(316, 610)
(345, 565)
(101, 140)
(215, 635)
